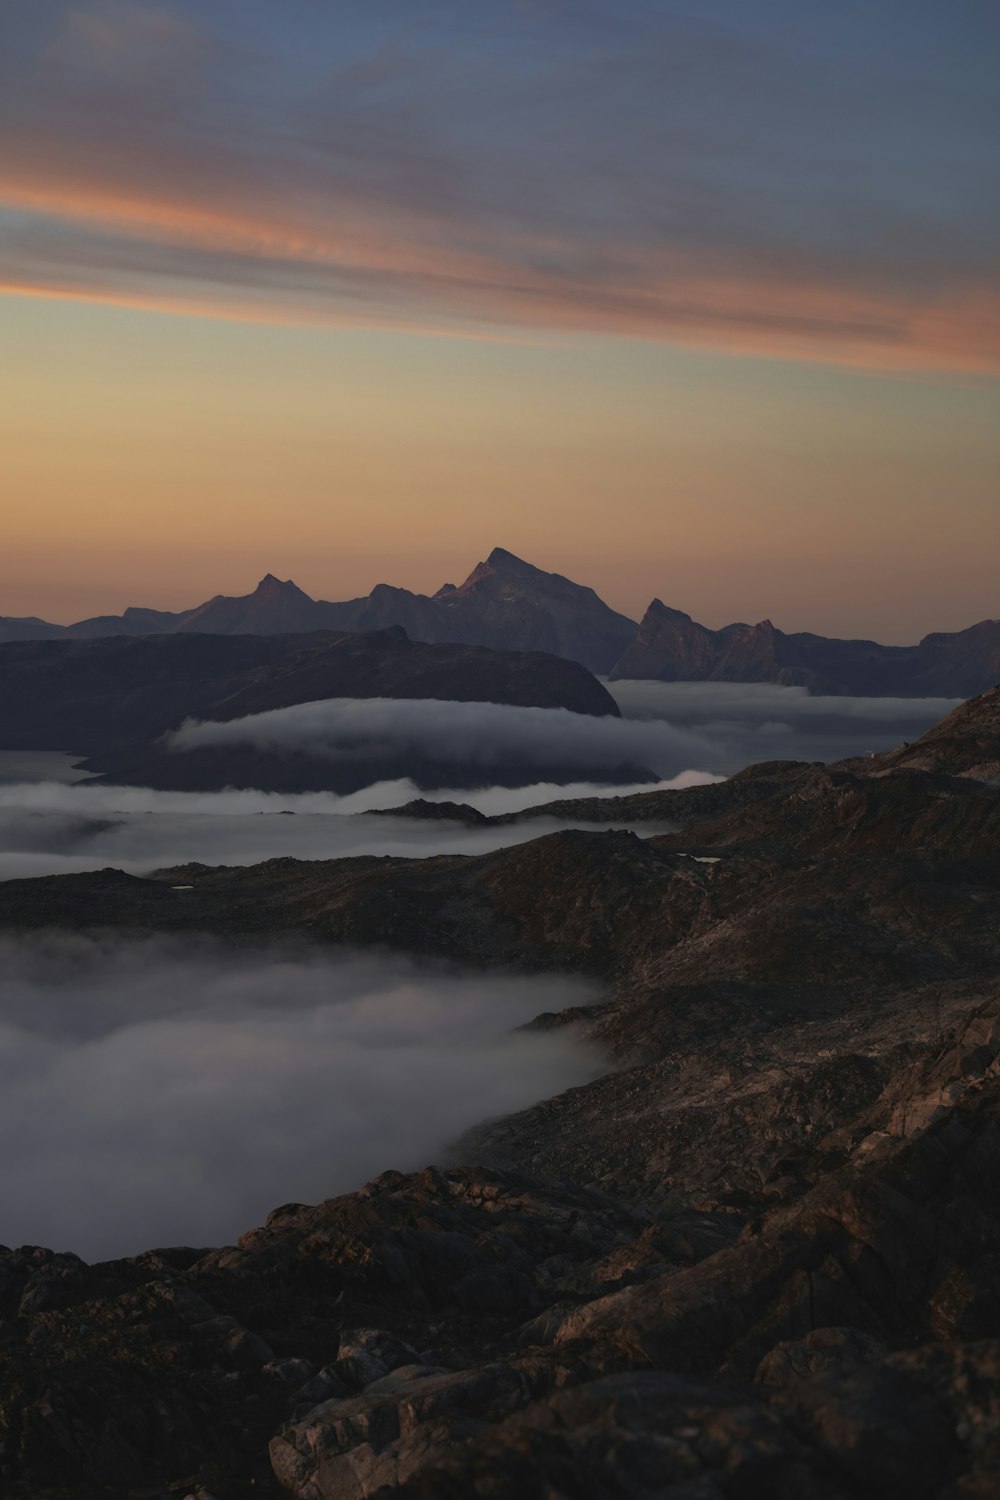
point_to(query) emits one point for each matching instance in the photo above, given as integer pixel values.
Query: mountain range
(505, 603)
(671, 647)
(508, 604)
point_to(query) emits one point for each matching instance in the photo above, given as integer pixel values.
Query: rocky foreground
(761, 1258)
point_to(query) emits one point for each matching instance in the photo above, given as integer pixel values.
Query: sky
(695, 301)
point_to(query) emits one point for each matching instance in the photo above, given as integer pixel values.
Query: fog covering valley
(177, 1091)
(162, 1091)
(53, 828)
(668, 727)
(52, 821)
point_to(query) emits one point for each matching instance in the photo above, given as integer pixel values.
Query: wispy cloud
(636, 172)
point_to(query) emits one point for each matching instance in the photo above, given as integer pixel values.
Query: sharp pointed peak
(657, 607)
(269, 584)
(501, 558)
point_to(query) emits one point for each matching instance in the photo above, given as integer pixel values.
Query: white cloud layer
(48, 828)
(486, 735)
(744, 722)
(157, 1092)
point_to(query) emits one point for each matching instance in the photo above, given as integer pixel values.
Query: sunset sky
(695, 300)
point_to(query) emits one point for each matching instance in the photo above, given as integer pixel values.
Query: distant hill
(30, 628)
(508, 604)
(113, 700)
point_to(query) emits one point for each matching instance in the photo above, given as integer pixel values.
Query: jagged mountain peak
(666, 611)
(502, 561)
(269, 584)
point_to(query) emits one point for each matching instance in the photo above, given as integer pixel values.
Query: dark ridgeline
(510, 605)
(113, 700)
(505, 603)
(671, 647)
(760, 1258)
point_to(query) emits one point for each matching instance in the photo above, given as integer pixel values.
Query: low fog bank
(48, 828)
(477, 735)
(52, 827)
(748, 722)
(39, 765)
(157, 1092)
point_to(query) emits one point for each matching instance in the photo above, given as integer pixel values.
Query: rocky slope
(965, 743)
(759, 1257)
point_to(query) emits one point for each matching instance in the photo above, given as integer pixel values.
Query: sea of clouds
(487, 736)
(668, 728)
(55, 828)
(744, 722)
(159, 1092)
(687, 732)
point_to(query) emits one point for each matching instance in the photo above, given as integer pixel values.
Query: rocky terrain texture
(759, 1257)
(510, 605)
(112, 700)
(671, 647)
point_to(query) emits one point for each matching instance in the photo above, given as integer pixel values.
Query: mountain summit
(505, 603)
(276, 607)
(509, 604)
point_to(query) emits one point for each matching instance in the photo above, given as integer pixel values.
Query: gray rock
(366, 1354)
(346, 1450)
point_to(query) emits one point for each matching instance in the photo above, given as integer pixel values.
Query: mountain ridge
(507, 603)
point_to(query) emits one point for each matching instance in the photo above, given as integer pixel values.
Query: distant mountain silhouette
(28, 628)
(505, 603)
(671, 647)
(508, 604)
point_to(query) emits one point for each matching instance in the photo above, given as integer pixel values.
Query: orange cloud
(344, 220)
(189, 258)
